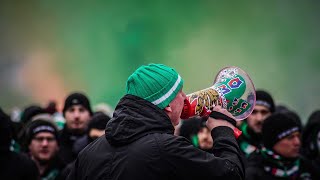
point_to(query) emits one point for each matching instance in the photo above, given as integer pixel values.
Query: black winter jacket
(14, 166)
(139, 144)
(67, 140)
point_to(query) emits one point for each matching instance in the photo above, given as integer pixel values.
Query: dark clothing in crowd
(310, 135)
(264, 167)
(249, 141)
(139, 144)
(98, 121)
(13, 166)
(67, 139)
(65, 172)
(53, 172)
(81, 143)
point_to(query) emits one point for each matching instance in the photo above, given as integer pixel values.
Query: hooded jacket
(139, 144)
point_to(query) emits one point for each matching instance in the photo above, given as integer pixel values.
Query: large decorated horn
(232, 89)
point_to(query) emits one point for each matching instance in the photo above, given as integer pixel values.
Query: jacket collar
(135, 117)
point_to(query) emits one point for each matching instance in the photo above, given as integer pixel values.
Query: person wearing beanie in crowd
(250, 140)
(196, 131)
(13, 166)
(29, 112)
(41, 137)
(77, 113)
(139, 142)
(96, 128)
(26, 116)
(279, 158)
(311, 139)
(285, 110)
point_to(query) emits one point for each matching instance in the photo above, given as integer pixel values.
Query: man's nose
(45, 142)
(259, 117)
(76, 114)
(297, 141)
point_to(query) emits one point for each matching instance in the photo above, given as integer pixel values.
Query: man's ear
(168, 108)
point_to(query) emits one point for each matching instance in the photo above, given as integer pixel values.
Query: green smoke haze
(50, 48)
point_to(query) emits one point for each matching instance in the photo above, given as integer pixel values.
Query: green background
(93, 46)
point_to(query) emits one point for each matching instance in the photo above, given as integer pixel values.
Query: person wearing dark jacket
(13, 166)
(139, 141)
(41, 137)
(96, 129)
(311, 139)
(77, 113)
(250, 140)
(279, 158)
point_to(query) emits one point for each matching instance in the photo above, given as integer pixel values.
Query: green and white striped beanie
(156, 83)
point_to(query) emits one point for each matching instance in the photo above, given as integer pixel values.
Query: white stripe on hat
(263, 103)
(169, 93)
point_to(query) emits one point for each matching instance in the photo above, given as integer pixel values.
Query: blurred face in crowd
(205, 139)
(174, 109)
(256, 118)
(43, 146)
(289, 146)
(77, 117)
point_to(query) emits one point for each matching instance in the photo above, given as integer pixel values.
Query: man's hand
(213, 123)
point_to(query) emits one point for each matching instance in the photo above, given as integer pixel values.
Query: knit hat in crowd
(31, 111)
(77, 99)
(38, 126)
(263, 98)
(156, 83)
(99, 121)
(278, 126)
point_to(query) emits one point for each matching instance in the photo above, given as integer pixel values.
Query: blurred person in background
(311, 139)
(280, 158)
(96, 128)
(35, 112)
(26, 116)
(251, 128)
(51, 107)
(41, 136)
(196, 131)
(77, 113)
(13, 166)
(30, 111)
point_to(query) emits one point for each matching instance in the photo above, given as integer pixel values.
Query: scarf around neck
(279, 166)
(249, 140)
